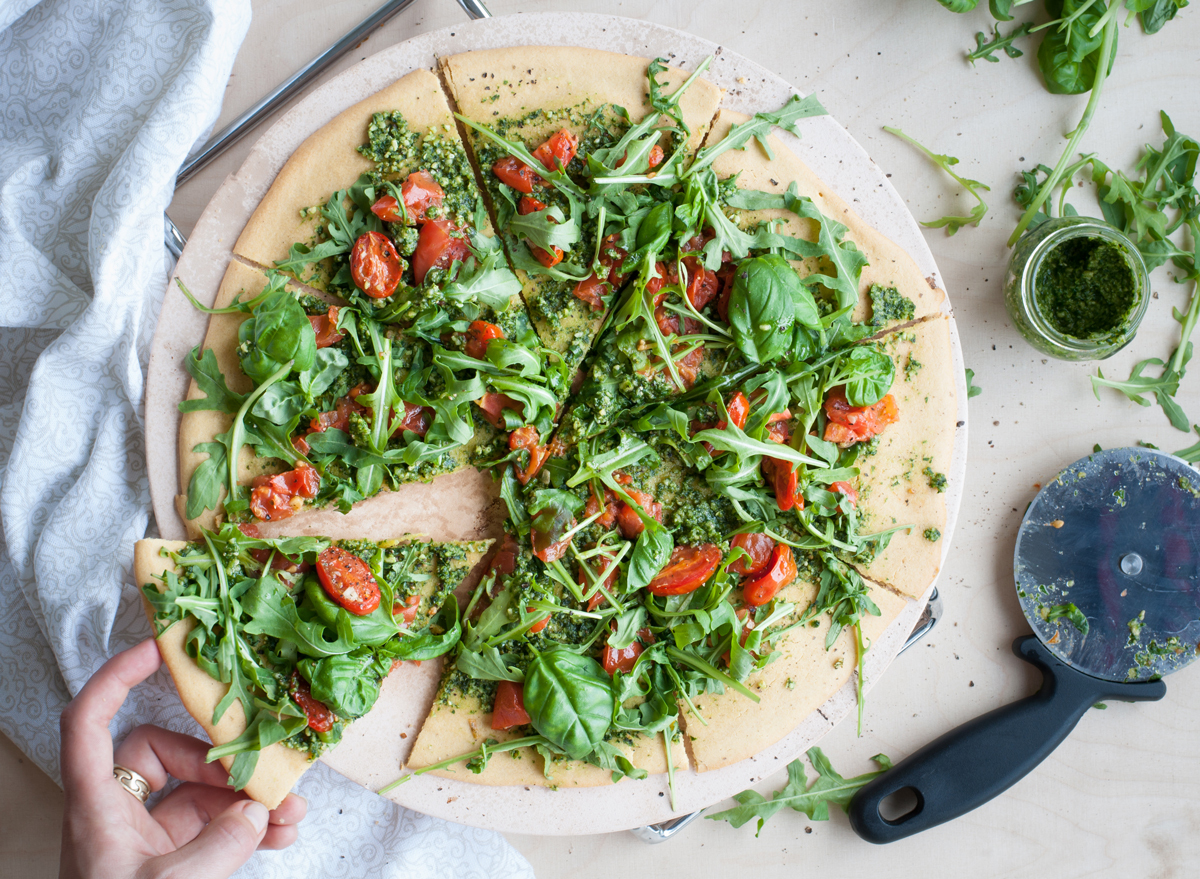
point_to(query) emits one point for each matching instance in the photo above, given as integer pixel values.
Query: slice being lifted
(276, 645)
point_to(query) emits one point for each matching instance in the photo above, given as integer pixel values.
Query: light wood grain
(1122, 795)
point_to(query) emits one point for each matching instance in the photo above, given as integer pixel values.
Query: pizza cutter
(1107, 569)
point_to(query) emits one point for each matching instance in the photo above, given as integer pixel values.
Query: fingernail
(258, 815)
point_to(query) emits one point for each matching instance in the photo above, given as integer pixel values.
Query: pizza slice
(277, 645)
(571, 144)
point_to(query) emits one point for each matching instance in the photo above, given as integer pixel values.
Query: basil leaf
(327, 366)
(870, 375)
(280, 403)
(570, 700)
(346, 684)
(489, 664)
(650, 554)
(1068, 54)
(762, 306)
(372, 630)
(426, 644)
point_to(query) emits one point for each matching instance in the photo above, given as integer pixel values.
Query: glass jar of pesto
(1076, 288)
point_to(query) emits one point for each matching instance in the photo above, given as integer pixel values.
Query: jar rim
(1066, 229)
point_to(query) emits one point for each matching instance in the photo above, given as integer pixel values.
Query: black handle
(984, 757)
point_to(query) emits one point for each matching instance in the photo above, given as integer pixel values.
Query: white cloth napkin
(100, 103)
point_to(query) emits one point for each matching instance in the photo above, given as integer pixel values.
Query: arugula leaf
(973, 390)
(951, 223)
(786, 117)
(813, 800)
(202, 366)
(1068, 612)
(985, 49)
(273, 612)
(959, 5)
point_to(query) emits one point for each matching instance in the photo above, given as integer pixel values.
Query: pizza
(716, 409)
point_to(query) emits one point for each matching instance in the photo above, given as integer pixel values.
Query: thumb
(220, 848)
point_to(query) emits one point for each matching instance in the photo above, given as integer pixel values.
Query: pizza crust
(894, 488)
(790, 689)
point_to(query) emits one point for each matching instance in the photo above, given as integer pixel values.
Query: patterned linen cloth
(100, 103)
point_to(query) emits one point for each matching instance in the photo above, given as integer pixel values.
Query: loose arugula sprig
(951, 223)
(812, 800)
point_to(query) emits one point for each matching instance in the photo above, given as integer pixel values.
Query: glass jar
(1025, 305)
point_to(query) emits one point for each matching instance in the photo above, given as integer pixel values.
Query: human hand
(202, 829)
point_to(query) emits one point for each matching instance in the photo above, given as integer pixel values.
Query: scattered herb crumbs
(933, 535)
(973, 390)
(937, 481)
(1066, 611)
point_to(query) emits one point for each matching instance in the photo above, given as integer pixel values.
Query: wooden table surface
(1122, 795)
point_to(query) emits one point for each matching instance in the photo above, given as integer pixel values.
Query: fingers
(157, 753)
(87, 754)
(185, 812)
(220, 848)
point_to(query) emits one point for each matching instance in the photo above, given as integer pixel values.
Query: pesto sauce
(888, 306)
(1085, 287)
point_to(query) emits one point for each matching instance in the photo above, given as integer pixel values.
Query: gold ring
(134, 782)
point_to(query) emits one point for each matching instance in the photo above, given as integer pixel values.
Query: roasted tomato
(782, 476)
(590, 290)
(656, 156)
(847, 489)
(558, 150)
(407, 610)
(325, 327)
(421, 192)
(437, 248)
(515, 173)
(479, 335)
(375, 265)
(417, 419)
(504, 562)
(540, 624)
(628, 521)
(612, 260)
(779, 573)
(387, 209)
(548, 258)
(615, 660)
(779, 426)
(509, 708)
(702, 286)
(609, 517)
(546, 548)
(348, 580)
(759, 547)
(687, 570)
(739, 410)
(277, 497)
(527, 438)
(663, 274)
(530, 205)
(668, 323)
(609, 582)
(320, 718)
(492, 406)
(689, 366)
(725, 276)
(340, 418)
(848, 424)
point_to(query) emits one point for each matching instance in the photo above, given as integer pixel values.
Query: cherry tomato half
(558, 150)
(548, 258)
(783, 478)
(491, 406)
(479, 335)
(375, 265)
(615, 660)
(609, 583)
(387, 209)
(348, 580)
(420, 192)
(509, 708)
(417, 419)
(437, 248)
(656, 156)
(515, 173)
(277, 497)
(407, 609)
(759, 547)
(609, 517)
(540, 624)
(628, 521)
(847, 489)
(527, 438)
(325, 327)
(780, 572)
(852, 424)
(504, 562)
(590, 290)
(687, 570)
(320, 718)
(530, 205)
(703, 286)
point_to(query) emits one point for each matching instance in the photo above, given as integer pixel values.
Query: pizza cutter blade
(1107, 570)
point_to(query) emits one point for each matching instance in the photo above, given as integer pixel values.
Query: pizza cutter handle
(984, 757)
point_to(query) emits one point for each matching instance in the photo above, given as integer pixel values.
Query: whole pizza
(715, 407)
